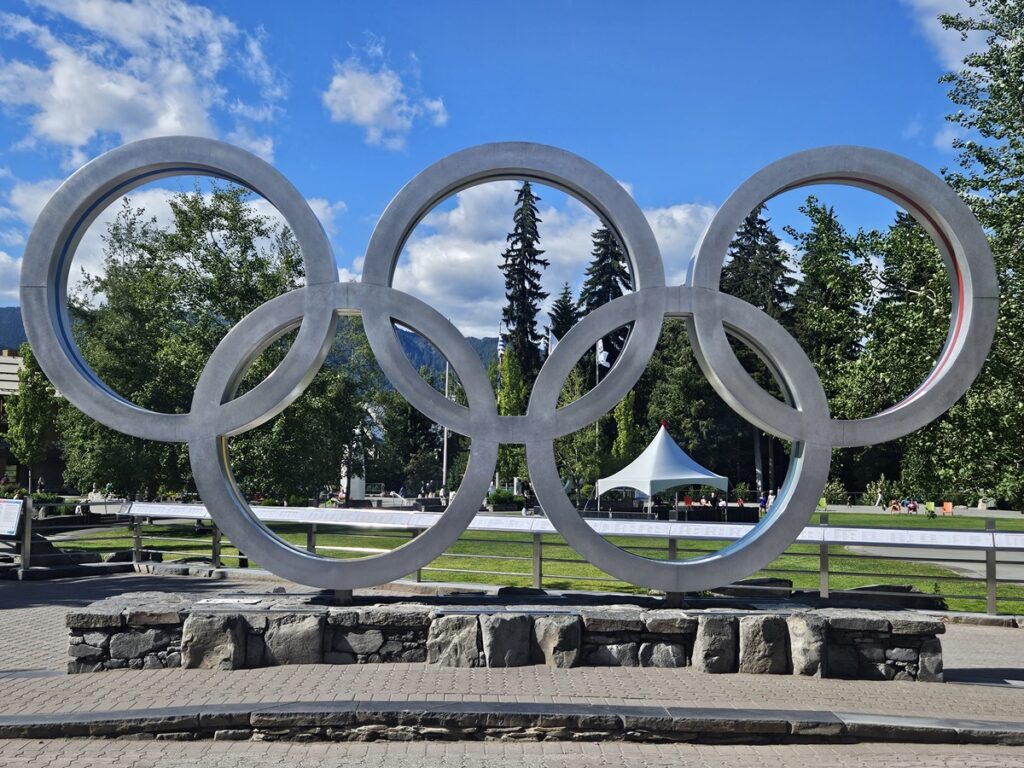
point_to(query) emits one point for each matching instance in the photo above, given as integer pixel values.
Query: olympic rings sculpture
(216, 414)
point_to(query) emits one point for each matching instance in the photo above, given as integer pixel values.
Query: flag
(552, 342)
(501, 347)
(602, 356)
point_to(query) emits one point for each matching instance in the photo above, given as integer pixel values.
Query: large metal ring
(560, 169)
(965, 252)
(216, 414)
(210, 455)
(63, 222)
(797, 499)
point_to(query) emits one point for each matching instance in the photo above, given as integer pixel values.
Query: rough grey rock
(213, 641)
(663, 655)
(842, 661)
(908, 623)
(84, 652)
(929, 668)
(871, 653)
(715, 648)
(454, 641)
(807, 639)
(152, 662)
(173, 659)
(506, 639)
(99, 639)
(343, 617)
(854, 620)
(294, 639)
(93, 618)
(615, 618)
(135, 644)
(255, 650)
(615, 655)
(556, 640)
(763, 645)
(670, 621)
(901, 654)
(398, 615)
(413, 655)
(359, 643)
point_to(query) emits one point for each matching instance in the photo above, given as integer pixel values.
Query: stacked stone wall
(157, 630)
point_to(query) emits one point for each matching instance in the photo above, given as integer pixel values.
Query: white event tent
(661, 466)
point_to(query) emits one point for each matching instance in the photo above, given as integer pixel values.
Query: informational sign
(10, 514)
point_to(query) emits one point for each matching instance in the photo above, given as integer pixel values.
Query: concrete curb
(440, 720)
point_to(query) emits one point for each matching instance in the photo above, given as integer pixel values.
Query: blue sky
(679, 101)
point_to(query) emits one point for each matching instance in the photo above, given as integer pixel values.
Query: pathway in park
(33, 655)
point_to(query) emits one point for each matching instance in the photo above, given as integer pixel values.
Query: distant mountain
(419, 351)
(12, 332)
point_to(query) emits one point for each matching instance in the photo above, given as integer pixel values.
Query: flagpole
(444, 448)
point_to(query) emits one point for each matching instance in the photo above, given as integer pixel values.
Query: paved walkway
(33, 655)
(226, 754)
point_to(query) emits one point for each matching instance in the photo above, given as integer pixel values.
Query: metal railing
(539, 557)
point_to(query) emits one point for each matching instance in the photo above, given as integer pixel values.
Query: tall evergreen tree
(563, 314)
(758, 269)
(522, 268)
(758, 272)
(828, 320)
(607, 278)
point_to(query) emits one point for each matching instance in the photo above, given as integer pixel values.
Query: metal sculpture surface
(216, 414)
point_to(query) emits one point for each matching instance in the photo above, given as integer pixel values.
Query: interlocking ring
(216, 414)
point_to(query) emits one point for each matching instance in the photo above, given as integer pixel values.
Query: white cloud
(261, 145)
(327, 212)
(374, 97)
(678, 229)
(10, 276)
(11, 237)
(131, 71)
(451, 261)
(943, 139)
(948, 45)
(28, 198)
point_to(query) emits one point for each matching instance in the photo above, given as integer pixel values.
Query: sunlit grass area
(494, 558)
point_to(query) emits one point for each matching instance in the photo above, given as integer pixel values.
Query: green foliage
(757, 269)
(827, 319)
(577, 454)
(408, 456)
(835, 492)
(148, 324)
(503, 496)
(31, 412)
(879, 489)
(522, 269)
(607, 278)
(563, 314)
(627, 443)
(742, 491)
(977, 445)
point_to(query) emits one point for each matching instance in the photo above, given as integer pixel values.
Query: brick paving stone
(78, 753)
(33, 655)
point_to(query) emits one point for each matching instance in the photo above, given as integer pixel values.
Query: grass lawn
(481, 557)
(921, 520)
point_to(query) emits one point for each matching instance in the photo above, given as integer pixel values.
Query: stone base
(154, 630)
